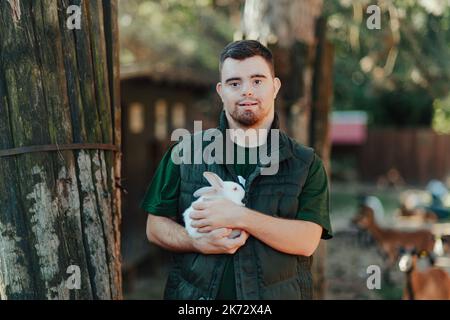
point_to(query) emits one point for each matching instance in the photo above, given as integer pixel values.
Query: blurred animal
(427, 205)
(364, 238)
(417, 214)
(430, 284)
(375, 204)
(442, 245)
(390, 240)
(446, 243)
(413, 206)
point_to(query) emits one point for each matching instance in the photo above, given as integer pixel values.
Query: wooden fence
(417, 154)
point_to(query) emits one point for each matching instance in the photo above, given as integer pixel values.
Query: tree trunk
(303, 62)
(60, 209)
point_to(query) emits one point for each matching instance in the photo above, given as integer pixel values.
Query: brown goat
(430, 284)
(390, 240)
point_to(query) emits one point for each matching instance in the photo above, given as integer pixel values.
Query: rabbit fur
(228, 189)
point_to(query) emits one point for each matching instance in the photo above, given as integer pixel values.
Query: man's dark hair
(244, 49)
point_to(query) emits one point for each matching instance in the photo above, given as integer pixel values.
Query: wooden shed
(154, 103)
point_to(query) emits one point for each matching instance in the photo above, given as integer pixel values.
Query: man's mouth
(248, 103)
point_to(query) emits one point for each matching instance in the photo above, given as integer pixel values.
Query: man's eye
(258, 81)
(234, 84)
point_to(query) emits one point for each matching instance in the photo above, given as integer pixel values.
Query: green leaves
(171, 34)
(441, 116)
(411, 61)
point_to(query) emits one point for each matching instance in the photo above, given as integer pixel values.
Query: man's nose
(247, 90)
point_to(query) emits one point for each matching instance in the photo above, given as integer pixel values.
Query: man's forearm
(168, 234)
(288, 236)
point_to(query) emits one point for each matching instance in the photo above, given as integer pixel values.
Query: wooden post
(60, 210)
(112, 45)
(322, 94)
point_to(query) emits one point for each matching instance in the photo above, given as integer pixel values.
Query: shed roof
(186, 76)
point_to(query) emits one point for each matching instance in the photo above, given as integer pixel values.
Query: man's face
(248, 89)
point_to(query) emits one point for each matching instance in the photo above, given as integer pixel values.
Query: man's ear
(276, 85)
(219, 89)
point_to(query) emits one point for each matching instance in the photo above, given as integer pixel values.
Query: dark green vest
(261, 272)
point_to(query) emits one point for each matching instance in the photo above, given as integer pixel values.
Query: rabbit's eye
(235, 188)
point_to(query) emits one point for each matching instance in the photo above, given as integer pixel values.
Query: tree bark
(59, 209)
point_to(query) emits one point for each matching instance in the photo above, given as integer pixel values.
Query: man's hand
(214, 214)
(286, 235)
(217, 242)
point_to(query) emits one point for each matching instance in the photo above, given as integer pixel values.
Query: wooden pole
(59, 211)
(322, 94)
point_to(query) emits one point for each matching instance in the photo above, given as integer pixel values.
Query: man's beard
(246, 118)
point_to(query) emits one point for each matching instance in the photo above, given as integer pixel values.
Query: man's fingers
(204, 229)
(200, 223)
(245, 234)
(199, 205)
(232, 245)
(240, 241)
(197, 214)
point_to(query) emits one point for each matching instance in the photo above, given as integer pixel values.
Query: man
(285, 213)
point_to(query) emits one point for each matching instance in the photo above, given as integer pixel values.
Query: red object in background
(348, 127)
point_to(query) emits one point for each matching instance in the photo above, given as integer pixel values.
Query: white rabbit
(219, 188)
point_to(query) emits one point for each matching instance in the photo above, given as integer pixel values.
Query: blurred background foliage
(399, 74)
(175, 35)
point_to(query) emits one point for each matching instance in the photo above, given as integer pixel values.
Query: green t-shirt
(162, 194)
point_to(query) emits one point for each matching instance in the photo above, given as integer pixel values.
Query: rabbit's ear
(213, 179)
(204, 191)
(241, 180)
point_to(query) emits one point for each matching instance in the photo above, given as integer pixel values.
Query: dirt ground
(347, 271)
